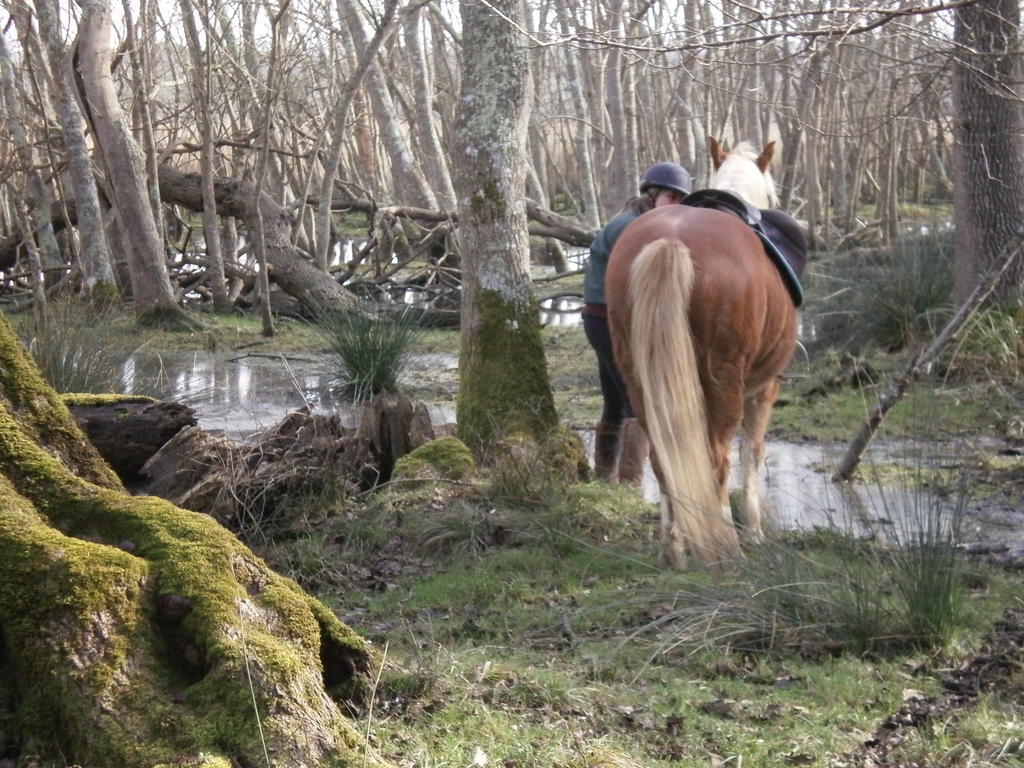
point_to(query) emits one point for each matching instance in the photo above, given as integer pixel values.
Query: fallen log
(128, 430)
(543, 223)
(246, 486)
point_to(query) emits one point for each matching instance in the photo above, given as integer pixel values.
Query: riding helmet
(667, 175)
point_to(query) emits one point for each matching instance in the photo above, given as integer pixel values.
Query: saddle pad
(783, 239)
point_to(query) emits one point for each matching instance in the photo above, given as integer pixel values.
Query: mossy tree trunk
(134, 633)
(503, 377)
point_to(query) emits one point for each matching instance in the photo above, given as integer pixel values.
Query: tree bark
(405, 171)
(431, 151)
(37, 194)
(988, 149)
(136, 633)
(582, 131)
(503, 377)
(201, 79)
(333, 160)
(295, 275)
(622, 175)
(127, 430)
(97, 273)
(151, 285)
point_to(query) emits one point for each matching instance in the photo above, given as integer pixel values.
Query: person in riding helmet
(620, 447)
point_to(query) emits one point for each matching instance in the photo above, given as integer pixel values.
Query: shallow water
(240, 395)
(798, 492)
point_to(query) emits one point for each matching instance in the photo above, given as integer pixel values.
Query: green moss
(118, 678)
(445, 457)
(104, 296)
(199, 761)
(504, 386)
(564, 452)
(168, 319)
(41, 417)
(88, 400)
(488, 203)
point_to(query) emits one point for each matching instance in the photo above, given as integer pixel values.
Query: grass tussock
(890, 298)
(836, 591)
(990, 348)
(369, 350)
(79, 348)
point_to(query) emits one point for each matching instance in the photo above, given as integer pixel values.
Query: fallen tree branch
(922, 362)
(544, 223)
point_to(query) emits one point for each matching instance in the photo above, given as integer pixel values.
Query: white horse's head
(745, 172)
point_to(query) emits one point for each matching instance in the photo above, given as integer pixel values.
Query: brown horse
(702, 326)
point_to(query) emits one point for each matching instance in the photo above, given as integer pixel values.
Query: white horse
(735, 172)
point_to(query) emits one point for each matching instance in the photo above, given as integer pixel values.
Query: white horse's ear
(765, 158)
(717, 152)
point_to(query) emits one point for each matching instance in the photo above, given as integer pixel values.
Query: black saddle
(783, 238)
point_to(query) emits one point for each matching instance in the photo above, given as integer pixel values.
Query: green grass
(77, 348)
(505, 678)
(991, 734)
(369, 351)
(526, 649)
(809, 411)
(990, 348)
(223, 333)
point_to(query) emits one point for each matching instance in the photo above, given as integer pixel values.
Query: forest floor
(527, 624)
(524, 622)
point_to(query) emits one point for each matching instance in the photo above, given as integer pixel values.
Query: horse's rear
(702, 327)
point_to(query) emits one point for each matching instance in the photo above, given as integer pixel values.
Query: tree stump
(245, 486)
(127, 431)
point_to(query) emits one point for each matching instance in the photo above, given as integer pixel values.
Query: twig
(373, 698)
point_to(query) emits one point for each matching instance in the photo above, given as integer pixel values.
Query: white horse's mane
(739, 173)
(746, 150)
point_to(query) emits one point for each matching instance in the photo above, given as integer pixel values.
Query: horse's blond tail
(665, 366)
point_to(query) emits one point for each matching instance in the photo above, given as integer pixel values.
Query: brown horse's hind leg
(757, 410)
(725, 412)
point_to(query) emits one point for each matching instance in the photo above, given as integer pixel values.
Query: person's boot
(606, 443)
(633, 450)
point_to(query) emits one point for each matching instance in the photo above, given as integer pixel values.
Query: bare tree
(988, 152)
(151, 286)
(36, 190)
(503, 377)
(333, 159)
(434, 157)
(201, 88)
(97, 273)
(583, 130)
(405, 170)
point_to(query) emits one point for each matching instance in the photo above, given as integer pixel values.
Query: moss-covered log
(135, 633)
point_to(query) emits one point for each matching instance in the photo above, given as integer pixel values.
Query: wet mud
(997, 666)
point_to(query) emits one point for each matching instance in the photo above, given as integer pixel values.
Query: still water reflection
(241, 395)
(238, 396)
